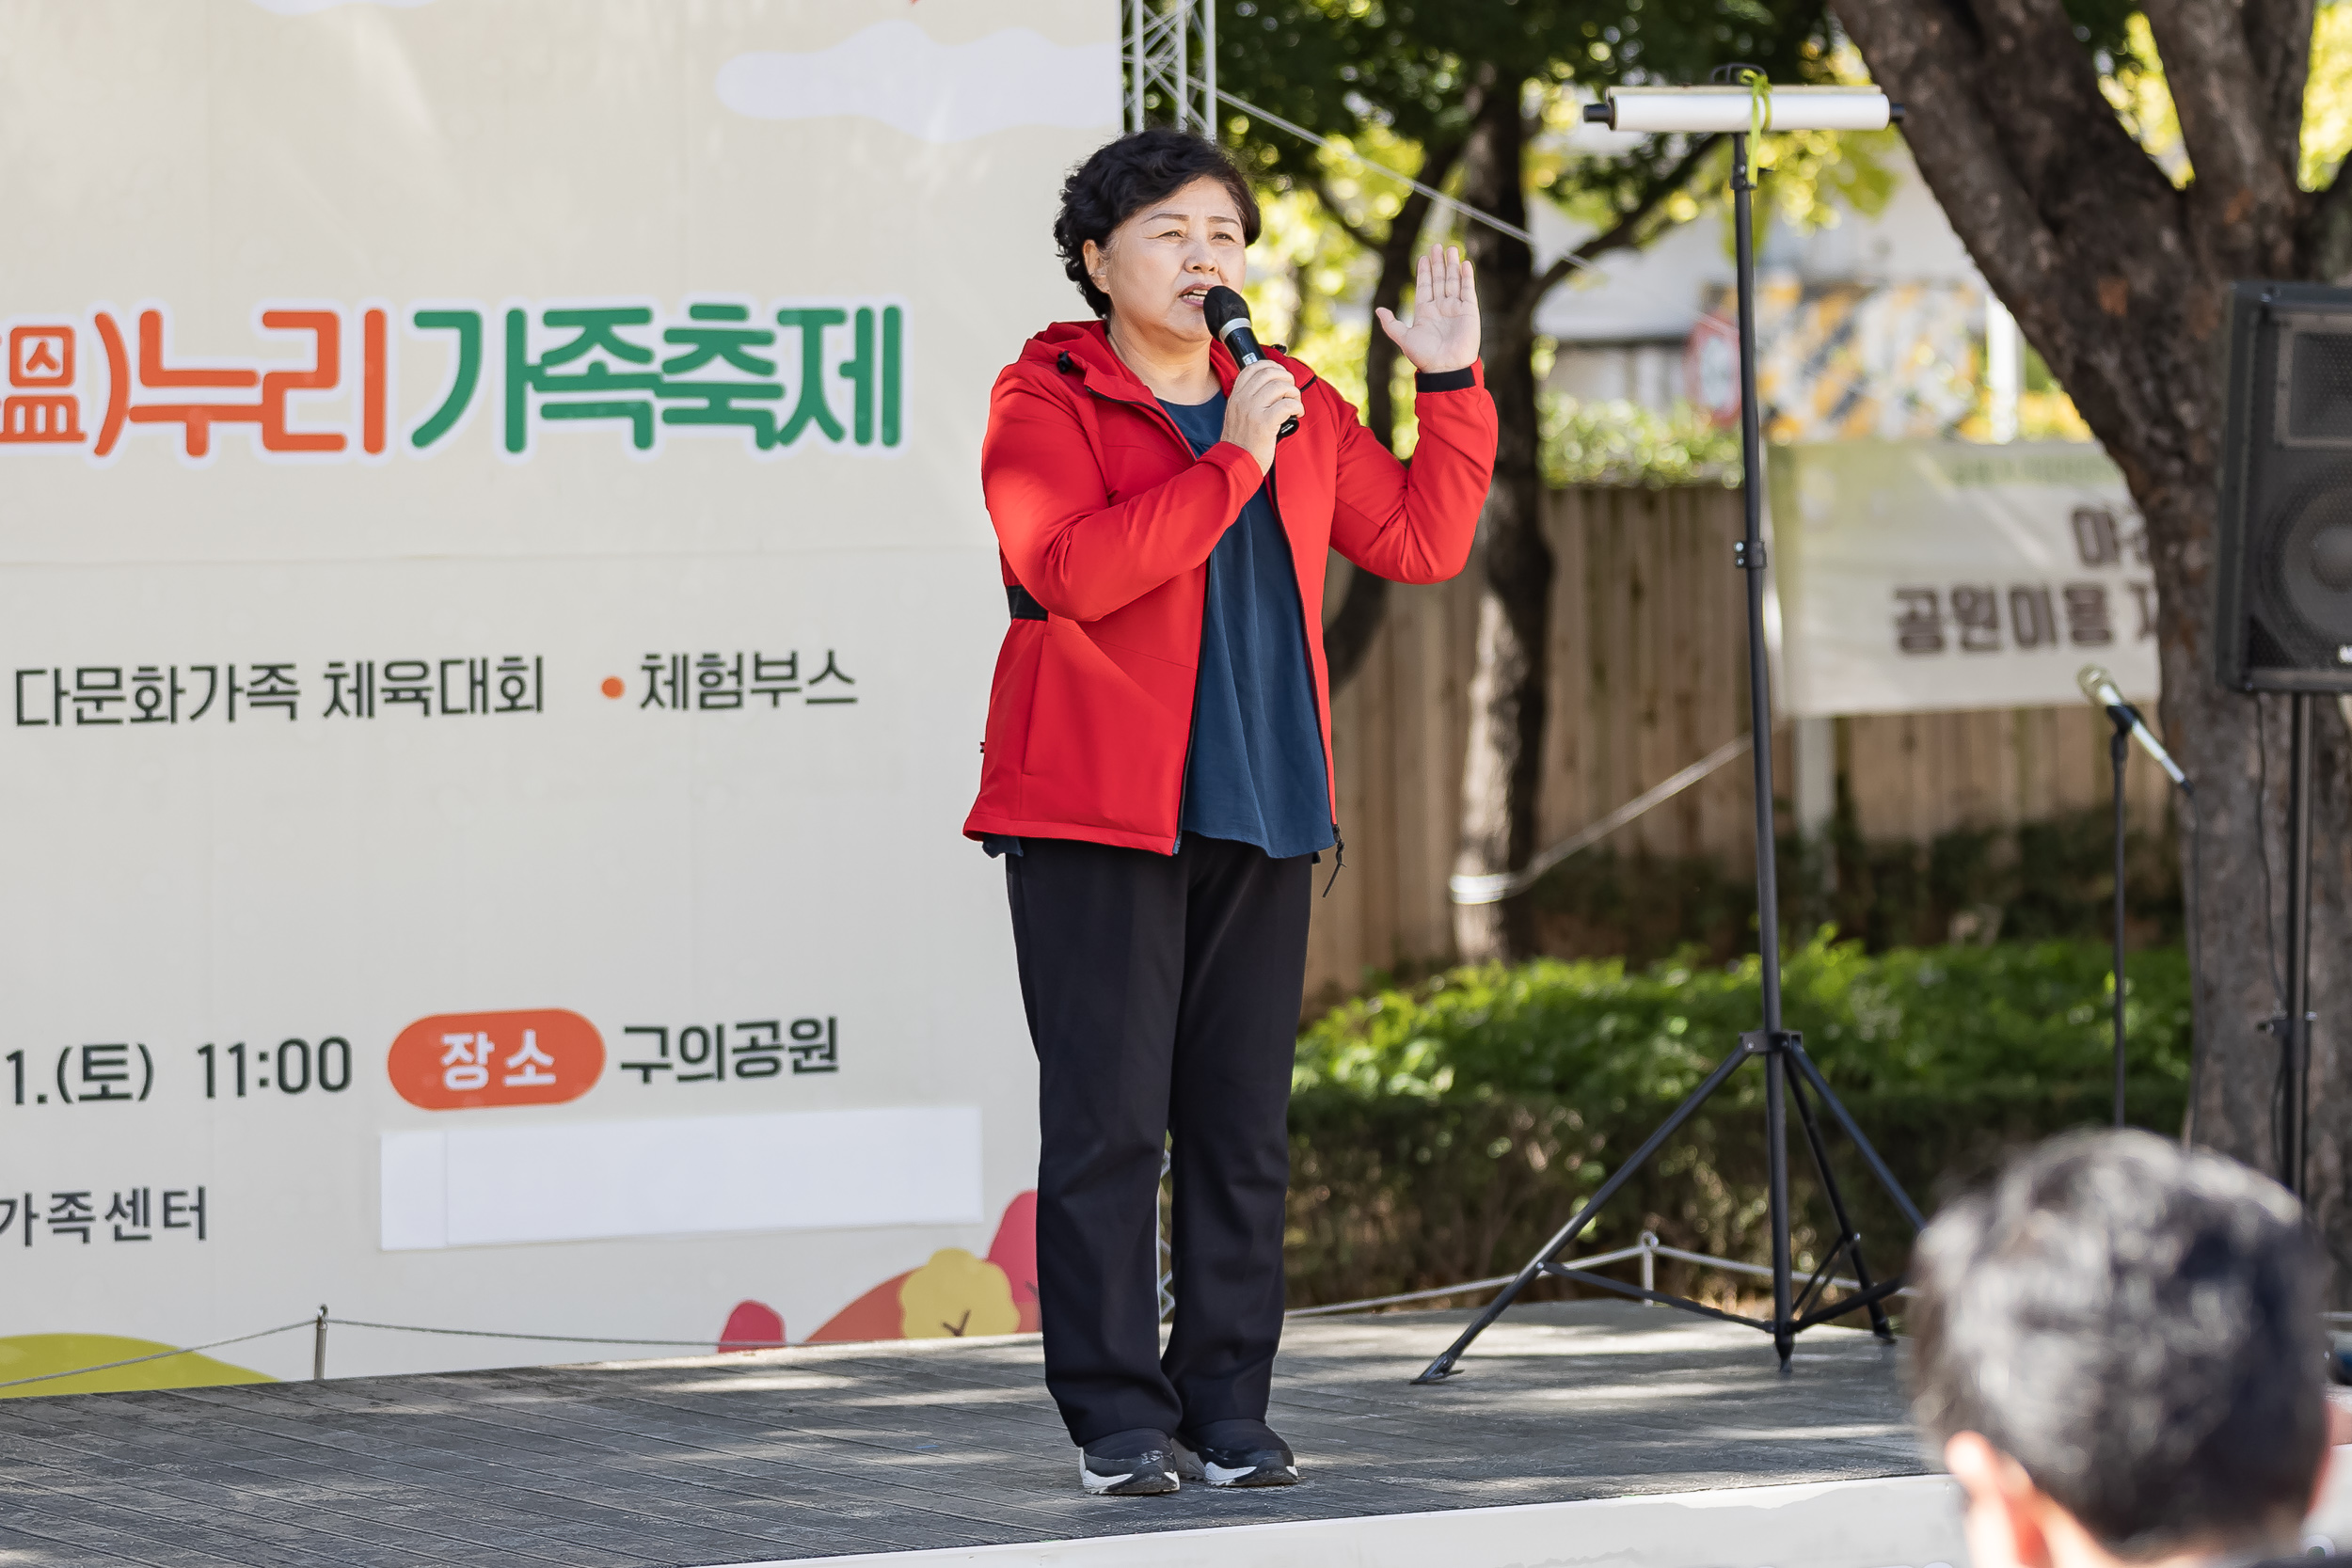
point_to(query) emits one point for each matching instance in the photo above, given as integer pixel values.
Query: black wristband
(1445, 381)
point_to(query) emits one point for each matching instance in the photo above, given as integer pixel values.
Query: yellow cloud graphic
(956, 1295)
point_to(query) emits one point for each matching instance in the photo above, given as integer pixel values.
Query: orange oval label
(457, 1061)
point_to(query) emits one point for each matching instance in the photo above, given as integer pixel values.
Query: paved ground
(858, 1448)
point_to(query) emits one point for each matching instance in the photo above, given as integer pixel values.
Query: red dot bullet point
(613, 686)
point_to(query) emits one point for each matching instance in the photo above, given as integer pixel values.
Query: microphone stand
(1790, 1077)
(2128, 725)
(2294, 1030)
(2119, 752)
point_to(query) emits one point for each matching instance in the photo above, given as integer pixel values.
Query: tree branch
(2279, 42)
(2243, 190)
(1626, 231)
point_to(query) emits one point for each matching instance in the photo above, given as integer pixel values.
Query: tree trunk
(1503, 764)
(2120, 281)
(1348, 635)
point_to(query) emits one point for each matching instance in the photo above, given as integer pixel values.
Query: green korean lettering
(599, 332)
(811, 408)
(862, 373)
(713, 336)
(892, 327)
(858, 370)
(467, 325)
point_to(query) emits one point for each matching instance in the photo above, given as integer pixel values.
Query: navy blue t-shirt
(1256, 774)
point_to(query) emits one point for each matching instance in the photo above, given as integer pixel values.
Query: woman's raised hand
(1443, 335)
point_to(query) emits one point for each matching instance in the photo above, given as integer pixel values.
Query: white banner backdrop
(1915, 576)
(498, 610)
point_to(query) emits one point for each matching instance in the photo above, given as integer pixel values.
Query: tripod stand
(2293, 1030)
(1789, 1072)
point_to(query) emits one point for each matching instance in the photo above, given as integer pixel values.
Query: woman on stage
(1157, 775)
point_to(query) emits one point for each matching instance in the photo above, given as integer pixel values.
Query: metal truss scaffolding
(1171, 61)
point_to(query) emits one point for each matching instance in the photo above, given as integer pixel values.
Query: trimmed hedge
(1442, 1134)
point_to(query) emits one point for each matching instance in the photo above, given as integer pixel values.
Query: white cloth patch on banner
(584, 1180)
(304, 8)
(1918, 575)
(894, 73)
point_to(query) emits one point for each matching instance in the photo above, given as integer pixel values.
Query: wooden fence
(1648, 673)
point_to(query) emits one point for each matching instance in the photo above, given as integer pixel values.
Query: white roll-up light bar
(1710, 110)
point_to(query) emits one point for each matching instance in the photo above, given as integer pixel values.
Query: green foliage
(1617, 442)
(1441, 1133)
(1938, 1020)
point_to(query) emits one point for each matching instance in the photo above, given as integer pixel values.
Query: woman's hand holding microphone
(1262, 397)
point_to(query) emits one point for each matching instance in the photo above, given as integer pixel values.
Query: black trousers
(1162, 997)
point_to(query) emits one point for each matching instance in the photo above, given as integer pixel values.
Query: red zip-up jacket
(1104, 524)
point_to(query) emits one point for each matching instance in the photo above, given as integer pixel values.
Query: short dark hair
(2138, 1326)
(1125, 177)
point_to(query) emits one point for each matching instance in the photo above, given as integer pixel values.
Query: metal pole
(1208, 69)
(1776, 1147)
(318, 1348)
(1751, 559)
(2298, 1041)
(2117, 753)
(1183, 64)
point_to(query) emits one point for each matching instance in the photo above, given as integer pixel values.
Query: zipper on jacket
(1183, 779)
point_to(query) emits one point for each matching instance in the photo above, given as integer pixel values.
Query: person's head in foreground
(2119, 1348)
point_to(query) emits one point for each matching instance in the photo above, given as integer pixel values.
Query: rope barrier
(161, 1354)
(322, 1322)
(1647, 1248)
(551, 1338)
(1409, 1296)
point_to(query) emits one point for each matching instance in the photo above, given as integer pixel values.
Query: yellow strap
(1759, 102)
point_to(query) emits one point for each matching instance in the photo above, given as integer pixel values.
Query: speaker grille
(2314, 382)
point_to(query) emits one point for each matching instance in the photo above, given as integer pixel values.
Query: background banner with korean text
(1915, 576)
(498, 612)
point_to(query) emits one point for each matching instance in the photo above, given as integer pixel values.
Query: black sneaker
(1236, 1453)
(1136, 1463)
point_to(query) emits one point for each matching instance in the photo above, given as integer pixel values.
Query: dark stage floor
(839, 1450)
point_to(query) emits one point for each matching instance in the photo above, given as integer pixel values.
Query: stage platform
(1580, 1432)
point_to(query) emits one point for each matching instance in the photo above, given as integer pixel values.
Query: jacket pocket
(1106, 734)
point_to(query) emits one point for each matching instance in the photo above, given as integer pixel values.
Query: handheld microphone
(2100, 688)
(1227, 316)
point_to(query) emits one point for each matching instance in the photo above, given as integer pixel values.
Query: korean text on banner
(1917, 576)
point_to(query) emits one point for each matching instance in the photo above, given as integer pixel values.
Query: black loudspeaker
(2284, 540)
